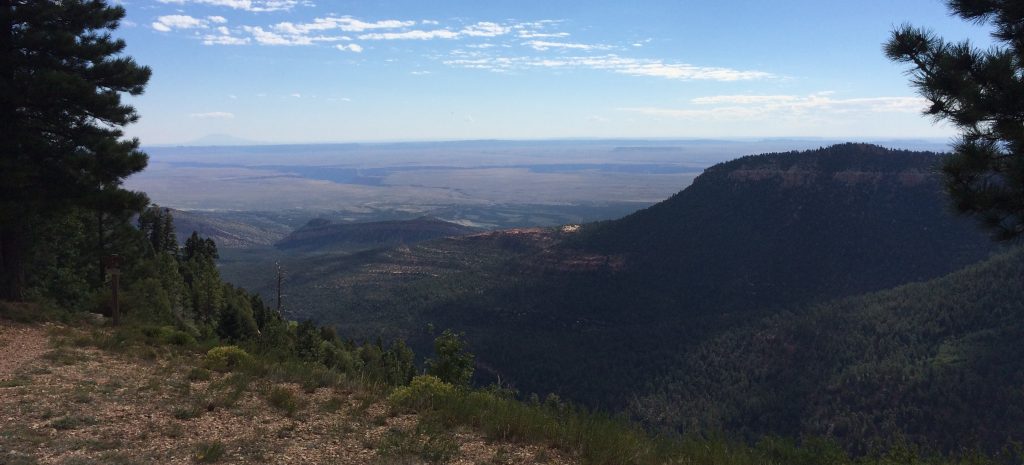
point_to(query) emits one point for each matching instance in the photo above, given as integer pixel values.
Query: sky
(314, 71)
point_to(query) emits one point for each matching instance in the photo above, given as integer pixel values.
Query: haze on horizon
(297, 71)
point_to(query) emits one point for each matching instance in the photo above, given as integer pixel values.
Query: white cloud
(223, 39)
(217, 19)
(343, 23)
(539, 30)
(350, 48)
(412, 35)
(764, 107)
(480, 29)
(296, 95)
(168, 22)
(354, 25)
(541, 45)
(272, 38)
(612, 63)
(541, 35)
(485, 29)
(420, 73)
(430, 22)
(247, 5)
(744, 99)
(213, 115)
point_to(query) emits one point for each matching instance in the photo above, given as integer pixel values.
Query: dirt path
(19, 344)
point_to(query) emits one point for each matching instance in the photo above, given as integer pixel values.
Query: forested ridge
(600, 312)
(937, 363)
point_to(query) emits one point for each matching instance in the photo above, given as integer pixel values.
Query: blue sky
(335, 71)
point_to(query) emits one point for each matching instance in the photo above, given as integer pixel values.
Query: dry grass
(77, 405)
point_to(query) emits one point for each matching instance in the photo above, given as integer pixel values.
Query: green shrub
(225, 358)
(284, 399)
(179, 338)
(198, 374)
(422, 393)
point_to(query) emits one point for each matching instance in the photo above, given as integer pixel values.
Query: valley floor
(63, 402)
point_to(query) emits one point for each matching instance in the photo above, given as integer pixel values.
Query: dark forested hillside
(785, 227)
(601, 314)
(938, 363)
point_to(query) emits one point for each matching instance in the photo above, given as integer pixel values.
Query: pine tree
(61, 80)
(982, 93)
(168, 238)
(452, 363)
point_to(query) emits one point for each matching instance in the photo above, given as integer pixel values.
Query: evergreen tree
(168, 239)
(157, 224)
(982, 93)
(199, 248)
(452, 364)
(61, 146)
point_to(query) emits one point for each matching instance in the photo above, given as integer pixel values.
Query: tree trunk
(13, 234)
(101, 250)
(12, 262)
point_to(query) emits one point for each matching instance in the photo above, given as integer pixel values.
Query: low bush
(225, 358)
(284, 399)
(422, 393)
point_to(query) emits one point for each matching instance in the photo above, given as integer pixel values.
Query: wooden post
(280, 281)
(113, 266)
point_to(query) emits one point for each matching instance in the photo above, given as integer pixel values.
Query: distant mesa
(221, 139)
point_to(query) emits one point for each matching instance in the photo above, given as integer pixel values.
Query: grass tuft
(284, 399)
(209, 452)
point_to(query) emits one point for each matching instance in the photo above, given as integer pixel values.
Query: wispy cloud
(224, 39)
(341, 23)
(759, 107)
(349, 48)
(213, 115)
(415, 34)
(337, 29)
(612, 63)
(541, 35)
(485, 29)
(169, 22)
(246, 5)
(542, 45)
(265, 37)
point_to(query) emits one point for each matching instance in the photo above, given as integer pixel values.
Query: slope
(596, 315)
(321, 235)
(937, 363)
